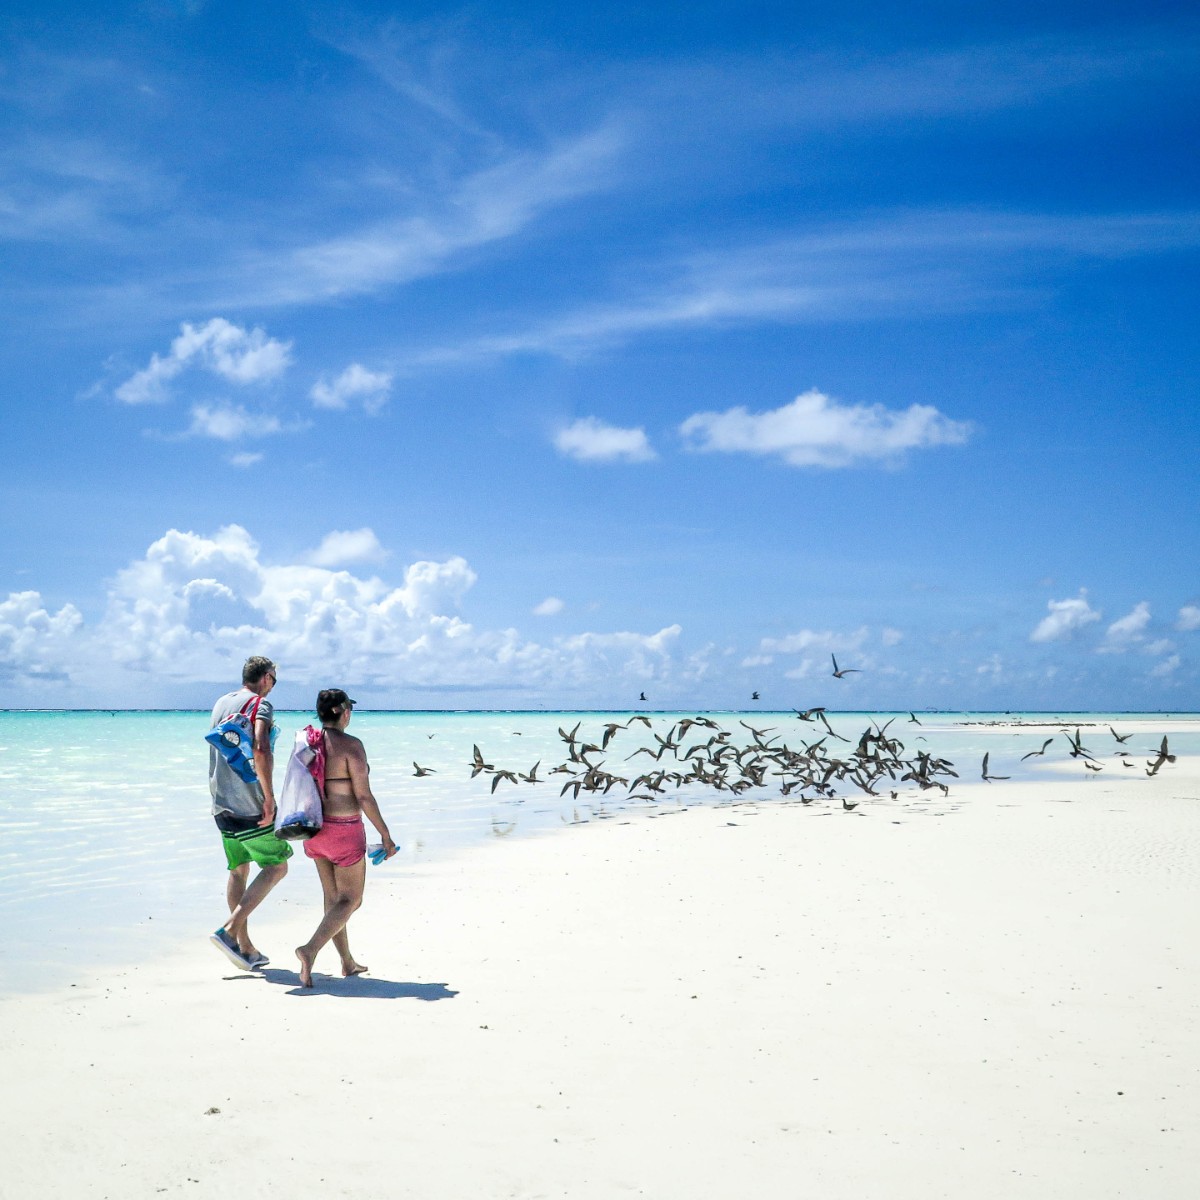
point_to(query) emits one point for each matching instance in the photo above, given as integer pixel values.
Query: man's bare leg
(252, 897)
(235, 889)
(235, 885)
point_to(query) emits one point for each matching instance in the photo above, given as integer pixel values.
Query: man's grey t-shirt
(230, 792)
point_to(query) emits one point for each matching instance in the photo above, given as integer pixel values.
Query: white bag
(298, 802)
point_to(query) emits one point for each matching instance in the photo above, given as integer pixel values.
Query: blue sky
(507, 356)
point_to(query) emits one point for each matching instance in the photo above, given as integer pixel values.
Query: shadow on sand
(360, 987)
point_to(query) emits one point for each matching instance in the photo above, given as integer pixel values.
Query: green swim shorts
(259, 845)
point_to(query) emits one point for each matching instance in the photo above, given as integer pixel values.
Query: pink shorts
(341, 840)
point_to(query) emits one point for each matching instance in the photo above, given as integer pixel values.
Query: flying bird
(1035, 753)
(609, 730)
(642, 697)
(988, 778)
(1077, 750)
(479, 765)
(829, 728)
(838, 673)
(1164, 755)
(420, 771)
(1120, 739)
(754, 696)
(912, 719)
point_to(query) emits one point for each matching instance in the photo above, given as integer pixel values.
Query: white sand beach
(991, 995)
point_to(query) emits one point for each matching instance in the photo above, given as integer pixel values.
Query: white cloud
(550, 607)
(591, 440)
(193, 604)
(232, 352)
(35, 643)
(635, 655)
(231, 423)
(354, 383)
(757, 660)
(244, 459)
(343, 547)
(1167, 667)
(1132, 625)
(1189, 618)
(812, 639)
(237, 355)
(1127, 631)
(891, 637)
(1066, 616)
(431, 587)
(1159, 646)
(816, 431)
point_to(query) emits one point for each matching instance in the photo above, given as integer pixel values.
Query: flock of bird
(696, 750)
(1078, 750)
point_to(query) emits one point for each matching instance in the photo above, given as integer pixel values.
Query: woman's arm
(356, 760)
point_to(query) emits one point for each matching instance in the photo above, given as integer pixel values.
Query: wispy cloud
(550, 607)
(815, 431)
(591, 440)
(746, 93)
(425, 63)
(488, 206)
(897, 265)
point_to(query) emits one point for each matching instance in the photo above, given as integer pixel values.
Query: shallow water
(107, 829)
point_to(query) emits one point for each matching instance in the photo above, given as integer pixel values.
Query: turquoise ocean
(109, 850)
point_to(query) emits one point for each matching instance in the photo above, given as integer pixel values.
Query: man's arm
(356, 760)
(264, 768)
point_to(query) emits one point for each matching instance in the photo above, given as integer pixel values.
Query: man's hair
(256, 667)
(331, 703)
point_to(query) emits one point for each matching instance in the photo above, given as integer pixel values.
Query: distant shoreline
(1014, 716)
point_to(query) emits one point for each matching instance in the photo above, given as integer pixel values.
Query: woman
(340, 848)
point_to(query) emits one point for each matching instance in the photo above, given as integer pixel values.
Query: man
(245, 814)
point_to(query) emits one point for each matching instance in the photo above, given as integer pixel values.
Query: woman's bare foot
(306, 966)
(351, 967)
